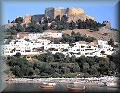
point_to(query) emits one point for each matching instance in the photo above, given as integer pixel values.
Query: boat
(76, 88)
(47, 85)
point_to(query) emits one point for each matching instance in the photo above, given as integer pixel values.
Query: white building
(24, 47)
(102, 49)
(31, 43)
(56, 46)
(52, 35)
(33, 36)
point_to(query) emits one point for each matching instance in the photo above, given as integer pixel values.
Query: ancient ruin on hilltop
(72, 14)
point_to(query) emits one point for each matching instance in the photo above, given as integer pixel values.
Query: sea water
(35, 87)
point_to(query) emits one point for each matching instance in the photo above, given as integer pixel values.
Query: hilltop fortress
(72, 14)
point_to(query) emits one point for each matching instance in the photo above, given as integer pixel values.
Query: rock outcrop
(107, 24)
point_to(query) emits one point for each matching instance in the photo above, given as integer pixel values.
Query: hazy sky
(100, 10)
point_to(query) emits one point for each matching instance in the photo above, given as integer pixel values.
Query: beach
(84, 81)
(92, 84)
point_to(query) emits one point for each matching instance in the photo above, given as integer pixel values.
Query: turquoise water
(35, 87)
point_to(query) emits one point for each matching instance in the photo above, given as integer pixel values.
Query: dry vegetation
(96, 34)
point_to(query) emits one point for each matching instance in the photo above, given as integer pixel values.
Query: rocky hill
(105, 34)
(74, 14)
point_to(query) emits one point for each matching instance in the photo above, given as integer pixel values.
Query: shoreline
(83, 81)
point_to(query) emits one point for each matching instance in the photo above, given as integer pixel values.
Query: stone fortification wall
(27, 18)
(38, 17)
(59, 11)
(49, 12)
(72, 13)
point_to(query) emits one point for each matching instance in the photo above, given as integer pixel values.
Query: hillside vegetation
(57, 65)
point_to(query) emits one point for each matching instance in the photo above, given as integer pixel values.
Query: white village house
(31, 44)
(102, 49)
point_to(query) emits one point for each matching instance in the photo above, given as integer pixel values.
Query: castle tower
(49, 12)
(72, 13)
(27, 18)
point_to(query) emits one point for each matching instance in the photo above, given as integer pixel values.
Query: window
(82, 46)
(78, 49)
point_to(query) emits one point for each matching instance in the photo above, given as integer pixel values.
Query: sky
(99, 9)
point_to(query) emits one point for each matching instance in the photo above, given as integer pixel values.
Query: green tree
(64, 18)
(19, 20)
(45, 27)
(37, 71)
(86, 75)
(13, 32)
(19, 28)
(53, 25)
(94, 70)
(65, 70)
(18, 54)
(112, 67)
(65, 25)
(79, 23)
(72, 25)
(56, 75)
(59, 57)
(59, 27)
(111, 42)
(75, 68)
(34, 27)
(49, 57)
(50, 20)
(11, 61)
(42, 57)
(73, 59)
(57, 19)
(85, 67)
(104, 67)
(17, 71)
(67, 59)
(45, 20)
